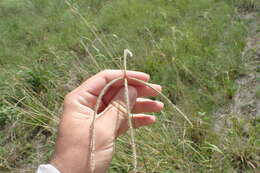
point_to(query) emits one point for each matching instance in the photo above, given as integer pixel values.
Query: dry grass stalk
(92, 127)
(165, 98)
(129, 115)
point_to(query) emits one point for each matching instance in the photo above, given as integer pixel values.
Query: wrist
(77, 164)
(69, 164)
(71, 155)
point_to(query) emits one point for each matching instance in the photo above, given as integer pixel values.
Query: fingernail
(157, 87)
(146, 74)
(160, 103)
(153, 118)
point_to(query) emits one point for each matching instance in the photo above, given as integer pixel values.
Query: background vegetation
(192, 48)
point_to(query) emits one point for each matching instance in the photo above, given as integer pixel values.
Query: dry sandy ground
(246, 101)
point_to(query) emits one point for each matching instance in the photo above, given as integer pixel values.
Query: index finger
(96, 83)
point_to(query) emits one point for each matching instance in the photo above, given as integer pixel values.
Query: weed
(257, 94)
(247, 5)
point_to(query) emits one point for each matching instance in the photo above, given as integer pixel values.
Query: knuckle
(105, 71)
(68, 98)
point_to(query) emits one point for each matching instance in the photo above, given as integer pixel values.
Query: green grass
(192, 48)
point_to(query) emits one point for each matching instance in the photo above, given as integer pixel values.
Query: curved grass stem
(92, 126)
(165, 98)
(129, 115)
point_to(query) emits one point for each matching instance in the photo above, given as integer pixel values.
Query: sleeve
(48, 168)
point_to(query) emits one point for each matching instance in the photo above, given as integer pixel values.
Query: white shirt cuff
(48, 168)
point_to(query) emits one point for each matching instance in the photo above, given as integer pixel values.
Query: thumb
(116, 112)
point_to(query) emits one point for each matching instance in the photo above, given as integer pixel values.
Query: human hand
(72, 145)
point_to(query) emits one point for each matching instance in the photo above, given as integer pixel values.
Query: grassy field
(192, 48)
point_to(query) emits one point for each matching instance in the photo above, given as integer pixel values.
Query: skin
(72, 144)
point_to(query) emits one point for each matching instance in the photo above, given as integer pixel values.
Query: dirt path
(246, 101)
